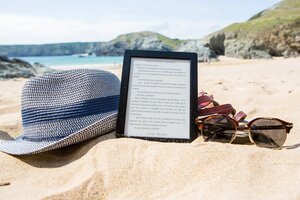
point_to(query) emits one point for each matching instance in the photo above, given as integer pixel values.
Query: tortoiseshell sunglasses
(264, 132)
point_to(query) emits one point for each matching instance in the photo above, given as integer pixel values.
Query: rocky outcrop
(272, 32)
(4, 59)
(17, 68)
(154, 41)
(199, 47)
(233, 46)
(137, 41)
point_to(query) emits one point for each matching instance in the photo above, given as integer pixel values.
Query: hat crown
(58, 104)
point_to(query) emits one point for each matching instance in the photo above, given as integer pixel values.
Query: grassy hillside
(271, 32)
(130, 38)
(144, 40)
(283, 13)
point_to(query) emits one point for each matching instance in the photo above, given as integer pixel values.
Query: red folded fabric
(208, 106)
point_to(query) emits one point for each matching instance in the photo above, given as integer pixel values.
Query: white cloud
(26, 29)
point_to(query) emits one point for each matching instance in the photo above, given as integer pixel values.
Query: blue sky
(52, 21)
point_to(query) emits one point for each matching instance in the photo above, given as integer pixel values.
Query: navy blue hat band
(79, 109)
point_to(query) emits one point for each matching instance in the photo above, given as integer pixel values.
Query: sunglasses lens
(268, 133)
(218, 129)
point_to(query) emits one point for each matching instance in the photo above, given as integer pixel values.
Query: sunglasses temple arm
(289, 126)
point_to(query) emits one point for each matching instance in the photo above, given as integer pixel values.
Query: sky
(55, 21)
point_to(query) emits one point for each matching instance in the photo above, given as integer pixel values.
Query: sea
(74, 61)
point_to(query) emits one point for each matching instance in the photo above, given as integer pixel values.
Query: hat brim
(19, 146)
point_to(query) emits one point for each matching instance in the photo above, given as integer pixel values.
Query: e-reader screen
(158, 100)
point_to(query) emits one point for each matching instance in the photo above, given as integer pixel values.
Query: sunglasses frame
(241, 127)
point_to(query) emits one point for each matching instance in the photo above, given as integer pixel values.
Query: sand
(110, 168)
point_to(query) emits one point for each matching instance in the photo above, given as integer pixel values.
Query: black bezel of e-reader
(125, 83)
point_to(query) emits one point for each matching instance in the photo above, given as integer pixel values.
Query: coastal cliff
(271, 32)
(145, 40)
(59, 49)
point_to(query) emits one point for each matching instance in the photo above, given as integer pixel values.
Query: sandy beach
(111, 168)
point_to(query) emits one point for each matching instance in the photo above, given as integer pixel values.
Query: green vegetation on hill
(171, 42)
(284, 13)
(280, 11)
(130, 38)
(271, 32)
(145, 40)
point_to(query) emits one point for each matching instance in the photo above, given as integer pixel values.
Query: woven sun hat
(64, 108)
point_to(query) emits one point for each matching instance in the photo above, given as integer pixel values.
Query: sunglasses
(264, 132)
